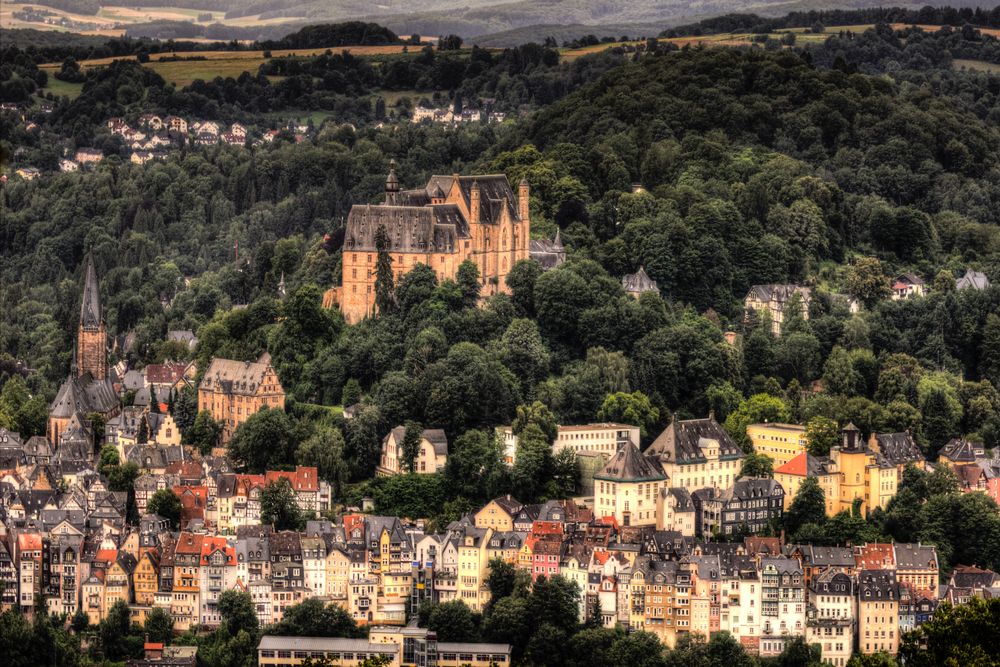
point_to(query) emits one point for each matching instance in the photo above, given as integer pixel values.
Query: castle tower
(92, 337)
(522, 200)
(391, 185)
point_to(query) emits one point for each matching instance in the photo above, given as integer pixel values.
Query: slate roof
(682, 441)
(91, 313)
(779, 293)
(960, 450)
(915, 556)
(639, 282)
(874, 585)
(629, 465)
(970, 576)
(972, 280)
(435, 436)
(83, 394)
(549, 254)
(899, 448)
(234, 377)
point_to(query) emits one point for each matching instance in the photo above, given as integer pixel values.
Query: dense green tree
(263, 442)
(522, 350)
(538, 414)
(279, 506)
(204, 432)
(475, 467)
(165, 503)
(413, 435)
(453, 622)
(238, 611)
(757, 409)
(632, 409)
(159, 626)
(808, 506)
(532, 464)
(866, 281)
(324, 449)
(756, 465)
(351, 393)
(822, 434)
(315, 618)
(385, 292)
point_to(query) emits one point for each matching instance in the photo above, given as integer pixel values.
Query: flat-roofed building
(274, 651)
(603, 438)
(782, 442)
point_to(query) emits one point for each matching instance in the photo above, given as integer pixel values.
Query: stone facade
(453, 219)
(233, 390)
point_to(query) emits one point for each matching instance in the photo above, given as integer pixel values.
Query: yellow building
(146, 578)
(863, 473)
(781, 442)
(473, 567)
(450, 220)
(628, 488)
(498, 514)
(233, 390)
(878, 612)
(696, 454)
(792, 474)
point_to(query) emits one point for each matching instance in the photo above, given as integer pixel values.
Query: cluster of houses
(450, 117)
(770, 300)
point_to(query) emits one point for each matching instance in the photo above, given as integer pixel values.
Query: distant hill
(563, 33)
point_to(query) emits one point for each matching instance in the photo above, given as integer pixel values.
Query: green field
(977, 65)
(60, 88)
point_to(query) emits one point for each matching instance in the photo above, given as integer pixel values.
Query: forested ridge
(755, 166)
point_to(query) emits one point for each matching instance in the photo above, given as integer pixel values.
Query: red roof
(210, 545)
(875, 556)
(29, 542)
(165, 373)
(186, 469)
(106, 555)
(304, 478)
(798, 466)
(152, 646)
(189, 543)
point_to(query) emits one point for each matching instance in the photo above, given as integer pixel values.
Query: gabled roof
(234, 377)
(898, 448)
(972, 280)
(805, 465)
(960, 450)
(639, 282)
(629, 465)
(682, 441)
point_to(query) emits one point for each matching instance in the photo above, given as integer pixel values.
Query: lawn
(60, 88)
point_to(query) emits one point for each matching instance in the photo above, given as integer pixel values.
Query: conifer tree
(385, 292)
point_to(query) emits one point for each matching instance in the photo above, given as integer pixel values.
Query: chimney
(522, 200)
(474, 203)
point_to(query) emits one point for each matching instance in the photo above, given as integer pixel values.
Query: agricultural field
(207, 65)
(60, 88)
(802, 36)
(112, 20)
(977, 65)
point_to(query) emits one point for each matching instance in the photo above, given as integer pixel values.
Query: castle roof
(235, 377)
(83, 394)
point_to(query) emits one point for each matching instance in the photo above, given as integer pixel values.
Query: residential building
(908, 285)
(783, 603)
(696, 454)
(638, 283)
(793, 473)
(233, 390)
(781, 442)
(430, 456)
(602, 438)
(830, 616)
(628, 488)
(878, 612)
(973, 280)
(770, 301)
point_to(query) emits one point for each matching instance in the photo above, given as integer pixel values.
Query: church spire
(90, 308)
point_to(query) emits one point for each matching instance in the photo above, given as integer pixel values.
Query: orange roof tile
(798, 466)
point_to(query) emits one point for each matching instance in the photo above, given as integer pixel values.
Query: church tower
(92, 337)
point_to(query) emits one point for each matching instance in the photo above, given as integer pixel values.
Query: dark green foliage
(264, 441)
(314, 618)
(165, 503)
(279, 506)
(808, 506)
(158, 626)
(962, 635)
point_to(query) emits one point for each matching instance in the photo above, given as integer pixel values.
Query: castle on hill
(450, 220)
